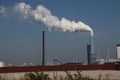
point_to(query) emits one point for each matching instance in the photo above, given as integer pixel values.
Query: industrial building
(118, 51)
(108, 60)
(2, 64)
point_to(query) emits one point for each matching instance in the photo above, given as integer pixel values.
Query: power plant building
(2, 64)
(118, 51)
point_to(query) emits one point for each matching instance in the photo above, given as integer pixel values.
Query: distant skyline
(20, 39)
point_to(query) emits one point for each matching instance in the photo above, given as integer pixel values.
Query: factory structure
(2, 64)
(118, 51)
(91, 56)
(44, 15)
(108, 60)
(90, 50)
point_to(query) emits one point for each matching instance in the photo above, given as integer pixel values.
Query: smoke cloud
(42, 14)
(2, 11)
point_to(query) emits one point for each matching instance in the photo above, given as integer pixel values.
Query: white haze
(2, 11)
(42, 14)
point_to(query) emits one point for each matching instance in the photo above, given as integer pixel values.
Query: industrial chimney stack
(88, 53)
(43, 47)
(92, 56)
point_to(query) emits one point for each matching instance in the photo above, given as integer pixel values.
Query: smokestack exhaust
(44, 15)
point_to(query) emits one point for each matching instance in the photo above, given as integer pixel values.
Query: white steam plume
(44, 15)
(2, 11)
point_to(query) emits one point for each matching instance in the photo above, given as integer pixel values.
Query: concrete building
(118, 51)
(2, 64)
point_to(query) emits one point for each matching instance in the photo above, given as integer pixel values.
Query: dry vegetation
(68, 76)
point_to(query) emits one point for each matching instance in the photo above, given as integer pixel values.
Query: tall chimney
(88, 53)
(43, 47)
(92, 52)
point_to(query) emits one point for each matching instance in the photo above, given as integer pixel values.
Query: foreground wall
(58, 68)
(98, 72)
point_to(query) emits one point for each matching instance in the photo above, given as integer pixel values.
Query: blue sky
(20, 40)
